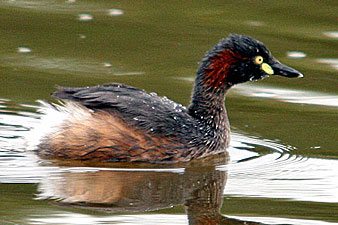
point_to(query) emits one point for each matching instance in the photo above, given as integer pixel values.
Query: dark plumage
(123, 123)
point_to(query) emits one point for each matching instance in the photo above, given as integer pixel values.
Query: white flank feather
(52, 118)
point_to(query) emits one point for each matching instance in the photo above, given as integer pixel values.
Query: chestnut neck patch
(216, 73)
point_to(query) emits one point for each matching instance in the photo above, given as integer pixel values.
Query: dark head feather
(246, 46)
(231, 62)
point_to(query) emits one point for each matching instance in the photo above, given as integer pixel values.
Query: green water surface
(156, 45)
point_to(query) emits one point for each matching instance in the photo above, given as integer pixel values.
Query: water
(282, 166)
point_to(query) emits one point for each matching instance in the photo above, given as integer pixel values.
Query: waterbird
(119, 123)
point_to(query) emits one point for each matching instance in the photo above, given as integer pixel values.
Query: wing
(152, 113)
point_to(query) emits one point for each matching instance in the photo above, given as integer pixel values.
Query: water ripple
(258, 167)
(60, 65)
(285, 176)
(67, 6)
(284, 94)
(288, 95)
(154, 219)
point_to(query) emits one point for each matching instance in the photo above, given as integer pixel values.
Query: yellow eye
(259, 60)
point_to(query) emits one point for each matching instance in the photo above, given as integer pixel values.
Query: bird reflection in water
(199, 186)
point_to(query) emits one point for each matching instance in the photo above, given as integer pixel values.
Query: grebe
(118, 123)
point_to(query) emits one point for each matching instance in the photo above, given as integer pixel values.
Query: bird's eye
(259, 59)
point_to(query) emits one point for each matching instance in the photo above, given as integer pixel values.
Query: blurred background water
(283, 166)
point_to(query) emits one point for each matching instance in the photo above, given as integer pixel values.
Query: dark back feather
(136, 107)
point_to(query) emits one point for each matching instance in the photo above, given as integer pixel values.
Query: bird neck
(208, 108)
(211, 86)
(211, 83)
(207, 102)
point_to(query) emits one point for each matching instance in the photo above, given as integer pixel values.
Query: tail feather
(65, 93)
(52, 118)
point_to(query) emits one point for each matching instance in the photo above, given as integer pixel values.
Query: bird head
(238, 59)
